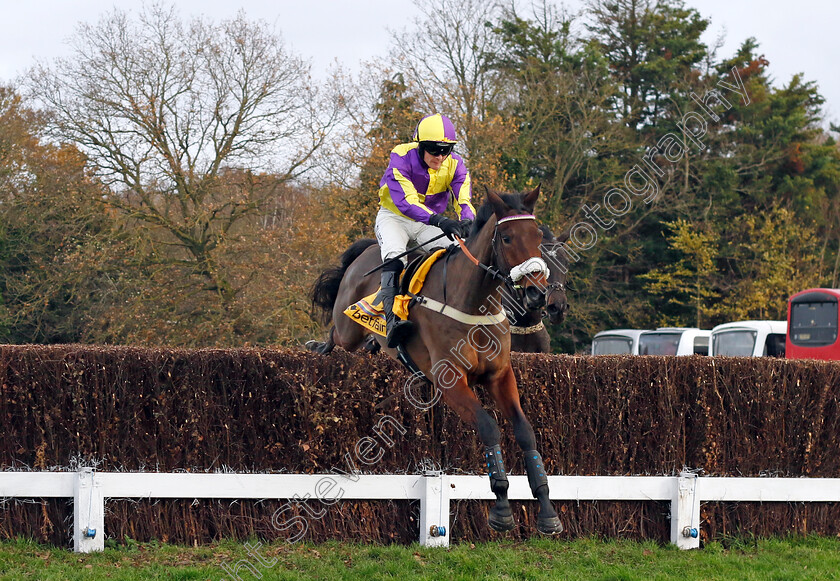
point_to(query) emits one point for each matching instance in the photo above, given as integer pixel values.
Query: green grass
(789, 559)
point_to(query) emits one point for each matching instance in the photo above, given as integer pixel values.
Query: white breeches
(395, 233)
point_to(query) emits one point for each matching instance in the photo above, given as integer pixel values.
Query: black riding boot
(397, 330)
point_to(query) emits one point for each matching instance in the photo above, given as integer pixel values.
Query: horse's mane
(483, 214)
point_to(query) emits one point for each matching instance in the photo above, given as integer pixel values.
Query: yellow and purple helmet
(436, 134)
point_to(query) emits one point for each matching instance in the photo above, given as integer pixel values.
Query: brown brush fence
(249, 410)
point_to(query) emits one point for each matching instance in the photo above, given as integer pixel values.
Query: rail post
(685, 512)
(434, 510)
(88, 512)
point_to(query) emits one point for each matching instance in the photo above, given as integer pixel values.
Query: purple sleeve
(403, 192)
(462, 190)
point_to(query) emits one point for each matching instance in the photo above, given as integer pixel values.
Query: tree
(394, 117)
(556, 93)
(163, 109)
(447, 69)
(688, 283)
(51, 230)
(772, 256)
(650, 45)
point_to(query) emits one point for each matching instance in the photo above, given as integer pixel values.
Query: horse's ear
(530, 199)
(499, 206)
(563, 236)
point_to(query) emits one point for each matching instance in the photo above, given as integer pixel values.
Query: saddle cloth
(370, 313)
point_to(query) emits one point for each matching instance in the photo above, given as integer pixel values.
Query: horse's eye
(506, 239)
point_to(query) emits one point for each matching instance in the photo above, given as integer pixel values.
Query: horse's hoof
(549, 525)
(318, 347)
(501, 523)
(371, 345)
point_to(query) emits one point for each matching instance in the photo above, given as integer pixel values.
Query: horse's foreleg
(501, 517)
(462, 399)
(507, 398)
(322, 347)
(348, 336)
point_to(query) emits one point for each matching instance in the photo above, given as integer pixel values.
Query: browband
(516, 217)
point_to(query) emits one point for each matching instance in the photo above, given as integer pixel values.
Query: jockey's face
(434, 161)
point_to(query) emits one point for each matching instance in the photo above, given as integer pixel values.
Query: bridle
(554, 286)
(511, 278)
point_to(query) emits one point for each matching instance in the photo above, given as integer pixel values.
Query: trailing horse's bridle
(532, 265)
(554, 286)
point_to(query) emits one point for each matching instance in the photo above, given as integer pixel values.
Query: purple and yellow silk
(411, 188)
(435, 127)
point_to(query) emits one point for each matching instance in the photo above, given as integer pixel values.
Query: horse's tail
(325, 290)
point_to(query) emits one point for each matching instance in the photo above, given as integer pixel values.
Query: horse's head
(516, 245)
(556, 304)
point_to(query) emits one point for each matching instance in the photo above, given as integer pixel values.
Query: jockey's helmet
(436, 134)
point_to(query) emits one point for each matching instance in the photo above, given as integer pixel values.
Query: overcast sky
(795, 36)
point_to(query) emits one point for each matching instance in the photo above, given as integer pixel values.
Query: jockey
(413, 194)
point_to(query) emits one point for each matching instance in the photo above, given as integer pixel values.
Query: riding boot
(397, 330)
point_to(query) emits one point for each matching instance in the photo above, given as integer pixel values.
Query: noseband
(532, 265)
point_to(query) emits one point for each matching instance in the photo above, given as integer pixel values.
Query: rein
(533, 264)
(515, 272)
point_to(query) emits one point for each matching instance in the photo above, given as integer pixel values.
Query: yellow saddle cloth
(369, 312)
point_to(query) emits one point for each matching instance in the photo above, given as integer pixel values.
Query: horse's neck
(519, 319)
(473, 289)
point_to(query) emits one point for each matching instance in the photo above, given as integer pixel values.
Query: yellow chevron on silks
(371, 315)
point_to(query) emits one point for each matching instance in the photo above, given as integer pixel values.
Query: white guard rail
(434, 490)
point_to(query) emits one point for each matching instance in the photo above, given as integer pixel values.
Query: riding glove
(449, 226)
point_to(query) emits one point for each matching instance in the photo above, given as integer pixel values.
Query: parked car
(616, 342)
(812, 325)
(749, 339)
(674, 341)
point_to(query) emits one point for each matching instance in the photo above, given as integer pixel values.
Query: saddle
(369, 312)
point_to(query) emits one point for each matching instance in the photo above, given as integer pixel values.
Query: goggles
(436, 148)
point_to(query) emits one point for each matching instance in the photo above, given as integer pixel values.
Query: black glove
(466, 225)
(449, 226)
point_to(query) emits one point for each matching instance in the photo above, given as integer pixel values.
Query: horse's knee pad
(536, 471)
(496, 468)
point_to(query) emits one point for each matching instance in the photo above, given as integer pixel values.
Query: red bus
(812, 324)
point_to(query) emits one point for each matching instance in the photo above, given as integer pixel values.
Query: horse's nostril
(534, 299)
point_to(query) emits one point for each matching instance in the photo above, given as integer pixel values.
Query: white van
(749, 339)
(616, 342)
(674, 341)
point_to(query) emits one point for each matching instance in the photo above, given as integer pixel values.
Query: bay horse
(528, 333)
(462, 336)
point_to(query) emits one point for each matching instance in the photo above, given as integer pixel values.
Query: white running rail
(434, 490)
